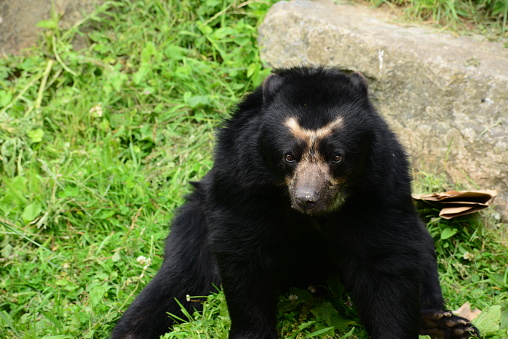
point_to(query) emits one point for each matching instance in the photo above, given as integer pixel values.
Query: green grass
(96, 151)
(486, 17)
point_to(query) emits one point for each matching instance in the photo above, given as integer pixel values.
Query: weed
(487, 17)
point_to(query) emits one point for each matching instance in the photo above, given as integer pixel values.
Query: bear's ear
(360, 81)
(270, 85)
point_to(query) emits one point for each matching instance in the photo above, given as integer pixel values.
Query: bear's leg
(147, 317)
(188, 269)
(435, 321)
(385, 290)
(251, 295)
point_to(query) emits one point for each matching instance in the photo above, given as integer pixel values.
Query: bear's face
(312, 145)
(312, 174)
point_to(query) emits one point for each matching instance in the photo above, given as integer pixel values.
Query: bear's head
(317, 133)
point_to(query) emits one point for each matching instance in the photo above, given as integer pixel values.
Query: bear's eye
(337, 158)
(289, 158)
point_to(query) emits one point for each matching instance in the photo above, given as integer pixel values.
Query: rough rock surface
(19, 18)
(445, 96)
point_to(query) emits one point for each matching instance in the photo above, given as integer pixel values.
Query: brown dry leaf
(465, 311)
(457, 203)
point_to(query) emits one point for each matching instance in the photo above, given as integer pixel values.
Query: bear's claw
(444, 325)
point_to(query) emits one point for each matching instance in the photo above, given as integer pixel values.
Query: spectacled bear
(308, 181)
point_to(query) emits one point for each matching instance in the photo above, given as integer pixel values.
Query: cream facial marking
(312, 137)
(313, 188)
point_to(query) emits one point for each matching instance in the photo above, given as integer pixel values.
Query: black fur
(245, 227)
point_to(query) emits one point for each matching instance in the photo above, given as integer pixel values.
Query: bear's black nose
(306, 198)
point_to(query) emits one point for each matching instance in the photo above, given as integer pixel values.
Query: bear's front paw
(444, 325)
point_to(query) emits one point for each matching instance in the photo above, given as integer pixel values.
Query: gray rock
(445, 96)
(19, 18)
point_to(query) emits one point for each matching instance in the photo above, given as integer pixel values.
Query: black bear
(308, 181)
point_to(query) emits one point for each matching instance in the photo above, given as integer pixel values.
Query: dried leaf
(465, 311)
(458, 203)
